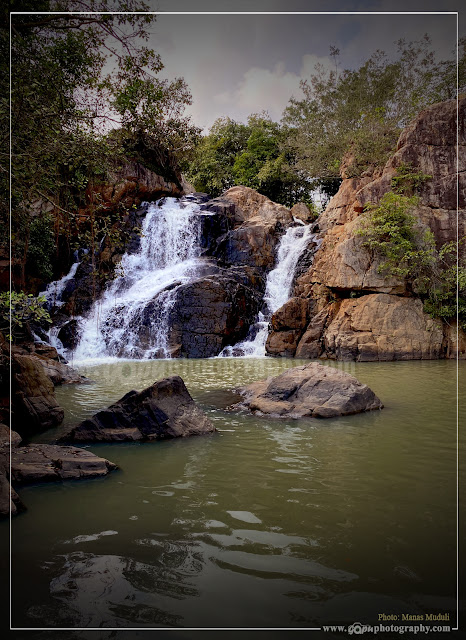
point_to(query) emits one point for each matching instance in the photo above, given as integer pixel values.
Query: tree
(75, 78)
(348, 122)
(255, 155)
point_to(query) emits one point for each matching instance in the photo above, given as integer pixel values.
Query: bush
(391, 231)
(21, 308)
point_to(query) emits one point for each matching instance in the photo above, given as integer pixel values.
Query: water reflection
(268, 523)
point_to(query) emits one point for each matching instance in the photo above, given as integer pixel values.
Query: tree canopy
(348, 121)
(255, 155)
(75, 77)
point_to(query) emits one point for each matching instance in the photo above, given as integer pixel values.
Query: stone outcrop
(163, 410)
(355, 311)
(34, 403)
(257, 225)
(41, 463)
(210, 314)
(312, 390)
(9, 499)
(36, 370)
(51, 462)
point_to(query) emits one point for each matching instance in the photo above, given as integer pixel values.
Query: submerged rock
(311, 390)
(163, 410)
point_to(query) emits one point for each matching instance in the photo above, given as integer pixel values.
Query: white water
(167, 258)
(277, 291)
(54, 291)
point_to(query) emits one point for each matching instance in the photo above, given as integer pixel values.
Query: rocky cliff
(342, 306)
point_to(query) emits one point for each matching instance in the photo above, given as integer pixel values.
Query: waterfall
(54, 291)
(277, 291)
(131, 318)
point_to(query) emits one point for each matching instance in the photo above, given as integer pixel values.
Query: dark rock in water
(311, 390)
(34, 403)
(163, 410)
(9, 499)
(69, 334)
(41, 463)
(210, 314)
(7, 436)
(51, 462)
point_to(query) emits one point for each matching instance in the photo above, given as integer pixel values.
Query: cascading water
(277, 290)
(143, 295)
(54, 291)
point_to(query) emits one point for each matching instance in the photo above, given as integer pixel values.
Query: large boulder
(210, 314)
(312, 390)
(163, 410)
(34, 403)
(257, 225)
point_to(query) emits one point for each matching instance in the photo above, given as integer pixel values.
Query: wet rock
(287, 326)
(163, 410)
(59, 372)
(210, 314)
(9, 499)
(312, 390)
(310, 344)
(302, 212)
(49, 463)
(7, 436)
(257, 225)
(294, 314)
(34, 404)
(69, 334)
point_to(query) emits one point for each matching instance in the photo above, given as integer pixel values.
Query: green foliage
(42, 246)
(349, 121)
(211, 169)
(447, 287)
(74, 78)
(408, 181)
(254, 155)
(391, 231)
(19, 309)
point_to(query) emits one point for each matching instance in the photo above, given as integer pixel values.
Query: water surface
(264, 524)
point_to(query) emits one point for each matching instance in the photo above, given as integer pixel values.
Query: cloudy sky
(240, 64)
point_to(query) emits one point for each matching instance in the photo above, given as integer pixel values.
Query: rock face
(163, 410)
(355, 312)
(9, 499)
(312, 390)
(210, 314)
(34, 400)
(50, 462)
(36, 369)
